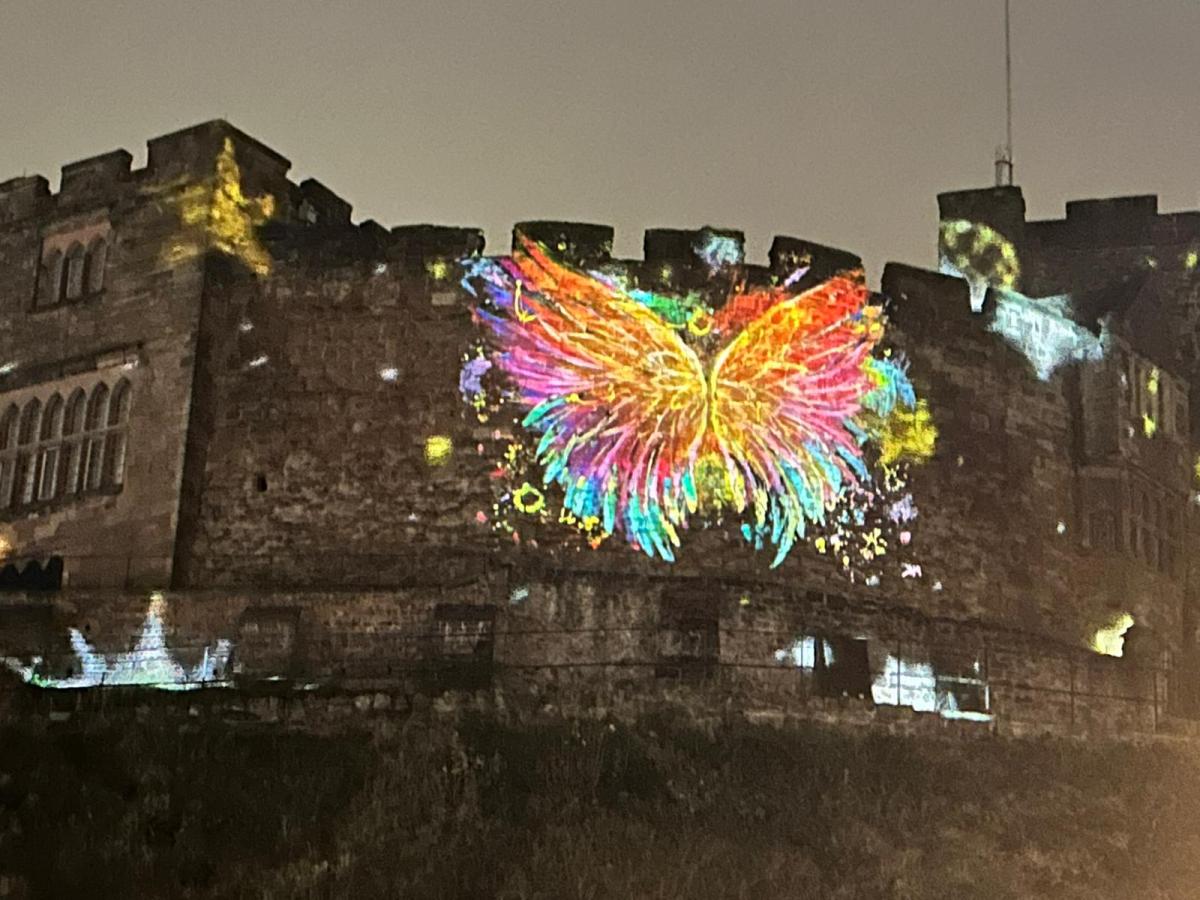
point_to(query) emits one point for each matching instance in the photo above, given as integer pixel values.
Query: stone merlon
(192, 151)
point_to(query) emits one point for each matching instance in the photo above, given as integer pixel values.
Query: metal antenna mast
(1004, 156)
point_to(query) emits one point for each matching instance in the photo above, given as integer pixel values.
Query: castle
(218, 390)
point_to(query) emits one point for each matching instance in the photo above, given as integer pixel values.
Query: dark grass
(570, 809)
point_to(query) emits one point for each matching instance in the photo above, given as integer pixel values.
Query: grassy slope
(585, 810)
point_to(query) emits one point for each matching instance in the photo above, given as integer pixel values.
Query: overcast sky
(836, 120)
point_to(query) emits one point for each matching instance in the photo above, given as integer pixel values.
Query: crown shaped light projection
(644, 413)
(149, 664)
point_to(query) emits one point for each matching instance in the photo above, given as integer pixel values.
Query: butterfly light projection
(647, 409)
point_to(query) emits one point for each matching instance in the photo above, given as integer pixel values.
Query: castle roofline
(214, 130)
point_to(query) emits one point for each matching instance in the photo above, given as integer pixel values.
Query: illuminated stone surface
(308, 470)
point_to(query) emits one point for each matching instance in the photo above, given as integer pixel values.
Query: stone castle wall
(281, 421)
(595, 645)
(315, 471)
(139, 328)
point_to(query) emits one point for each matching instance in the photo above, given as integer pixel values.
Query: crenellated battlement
(183, 155)
(1132, 221)
(312, 224)
(923, 296)
(317, 401)
(191, 153)
(23, 197)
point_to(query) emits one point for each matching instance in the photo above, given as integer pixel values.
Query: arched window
(48, 280)
(45, 470)
(70, 458)
(27, 432)
(93, 269)
(118, 418)
(64, 448)
(72, 282)
(8, 448)
(94, 438)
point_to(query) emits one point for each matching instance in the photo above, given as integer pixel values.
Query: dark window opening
(841, 668)
(48, 280)
(961, 682)
(260, 483)
(463, 645)
(267, 642)
(689, 634)
(93, 267)
(71, 284)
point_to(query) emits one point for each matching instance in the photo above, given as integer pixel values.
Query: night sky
(838, 121)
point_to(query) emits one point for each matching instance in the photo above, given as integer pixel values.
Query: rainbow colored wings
(779, 398)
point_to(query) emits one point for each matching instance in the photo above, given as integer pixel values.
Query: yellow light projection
(980, 254)
(438, 449)
(908, 435)
(226, 216)
(1110, 640)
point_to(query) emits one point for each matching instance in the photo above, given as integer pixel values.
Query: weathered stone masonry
(278, 424)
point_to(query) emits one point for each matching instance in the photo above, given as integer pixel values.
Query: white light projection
(915, 684)
(150, 663)
(903, 682)
(1110, 640)
(803, 653)
(1043, 330)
